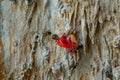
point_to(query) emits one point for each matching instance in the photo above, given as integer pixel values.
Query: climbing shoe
(75, 65)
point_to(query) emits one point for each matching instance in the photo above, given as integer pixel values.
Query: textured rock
(27, 51)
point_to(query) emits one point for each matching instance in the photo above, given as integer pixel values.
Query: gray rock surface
(27, 51)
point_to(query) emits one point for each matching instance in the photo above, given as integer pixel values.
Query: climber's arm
(67, 33)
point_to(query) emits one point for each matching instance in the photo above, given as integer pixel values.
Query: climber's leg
(74, 55)
(74, 41)
(74, 58)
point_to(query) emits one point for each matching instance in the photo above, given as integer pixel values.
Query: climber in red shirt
(70, 44)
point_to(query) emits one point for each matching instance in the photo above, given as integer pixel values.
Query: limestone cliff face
(27, 51)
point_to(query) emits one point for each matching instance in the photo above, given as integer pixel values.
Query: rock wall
(27, 51)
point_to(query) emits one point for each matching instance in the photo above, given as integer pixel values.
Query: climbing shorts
(73, 51)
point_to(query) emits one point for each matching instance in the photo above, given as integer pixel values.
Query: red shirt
(64, 42)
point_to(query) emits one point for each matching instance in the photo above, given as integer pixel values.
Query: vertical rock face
(27, 51)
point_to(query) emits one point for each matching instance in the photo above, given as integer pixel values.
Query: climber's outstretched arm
(67, 32)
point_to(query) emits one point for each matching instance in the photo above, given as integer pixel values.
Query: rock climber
(70, 44)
